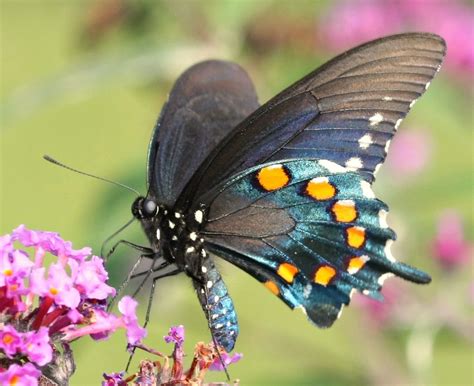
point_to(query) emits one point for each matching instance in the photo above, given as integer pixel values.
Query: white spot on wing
(203, 269)
(427, 85)
(397, 124)
(219, 325)
(319, 180)
(367, 189)
(171, 224)
(387, 98)
(216, 298)
(307, 290)
(177, 215)
(366, 292)
(413, 103)
(375, 119)
(174, 238)
(303, 310)
(383, 218)
(387, 146)
(351, 294)
(193, 236)
(203, 253)
(365, 141)
(190, 250)
(377, 168)
(209, 284)
(388, 251)
(340, 311)
(198, 215)
(158, 234)
(331, 166)
(215, 316)
(354, 163)
(384, 277)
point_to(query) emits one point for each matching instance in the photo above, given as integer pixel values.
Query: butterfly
(283, 190)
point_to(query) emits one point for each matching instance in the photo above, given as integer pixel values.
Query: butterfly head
(145, 208)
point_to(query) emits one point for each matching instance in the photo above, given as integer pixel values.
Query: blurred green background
(84, 82)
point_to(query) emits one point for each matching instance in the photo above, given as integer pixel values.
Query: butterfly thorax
(172, 233)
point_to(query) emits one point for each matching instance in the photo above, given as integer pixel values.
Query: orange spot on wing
(320, 189)
(344, 211)
(324, 275)
(272, 287)
(356, 263)
(287, 272)
(273, 177)
(355, 236)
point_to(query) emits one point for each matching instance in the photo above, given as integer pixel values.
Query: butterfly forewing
(206, 103)
(346, 111)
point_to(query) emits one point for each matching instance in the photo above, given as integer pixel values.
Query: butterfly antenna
(56, 162)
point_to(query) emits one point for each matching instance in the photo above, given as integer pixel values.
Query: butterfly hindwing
(310, 230)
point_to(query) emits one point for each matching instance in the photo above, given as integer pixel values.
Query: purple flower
(16, 375)
(450, 248)
(48, 242)
(227, 359)
(10, 340)
(409, 153)
(127, 306)
(58, 286)
(37, 347)
(175, 335)
(90, 277)
(114, 379)
(14, 267)
(101, 325)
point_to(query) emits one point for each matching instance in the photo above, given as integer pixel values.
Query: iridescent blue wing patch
(310, 230)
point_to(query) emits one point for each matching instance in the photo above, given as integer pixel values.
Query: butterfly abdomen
(217, 305)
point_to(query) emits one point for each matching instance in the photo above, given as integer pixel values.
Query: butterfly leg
(150, 302)
(147, 252)
(126, 281)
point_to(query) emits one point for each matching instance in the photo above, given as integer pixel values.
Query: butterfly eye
(149, 208)
(144, 208)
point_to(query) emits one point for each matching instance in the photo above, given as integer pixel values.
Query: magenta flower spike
(59, 303)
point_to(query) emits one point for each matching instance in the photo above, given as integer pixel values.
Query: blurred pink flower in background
(380, 312)
(450, 248)
(348, 23)
(409, 153)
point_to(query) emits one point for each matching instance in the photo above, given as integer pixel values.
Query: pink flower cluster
(44, 307)
(352, 22)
